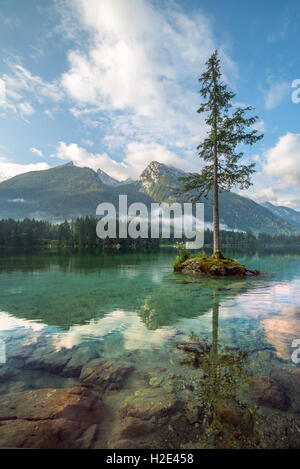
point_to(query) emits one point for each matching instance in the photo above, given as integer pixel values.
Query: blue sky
(113, 84)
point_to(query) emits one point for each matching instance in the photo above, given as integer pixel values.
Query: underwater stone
(267, 392)
(193, 411)
(52, 362)
(10, 369)
(40, 404)
(133, 428)
(289, 380)
(124, 444)
(49, 418)
(230, 413)
(156, 381)
(79, 357)
(152, 406)
(104, 375)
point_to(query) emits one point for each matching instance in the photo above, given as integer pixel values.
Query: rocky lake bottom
(123, 353)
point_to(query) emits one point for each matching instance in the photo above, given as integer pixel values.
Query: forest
(82, 233)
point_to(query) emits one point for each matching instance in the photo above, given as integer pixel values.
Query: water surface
(134, 309)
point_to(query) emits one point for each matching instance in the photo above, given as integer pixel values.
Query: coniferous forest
(81, 233)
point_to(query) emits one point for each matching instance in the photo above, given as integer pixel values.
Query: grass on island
(200, 263)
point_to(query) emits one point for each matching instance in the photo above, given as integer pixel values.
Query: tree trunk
(215, 326)
(216, 189)
(216, 221)
(214, 360)
(216, 211)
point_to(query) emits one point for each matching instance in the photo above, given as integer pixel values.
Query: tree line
(81, 233)
(248, 239)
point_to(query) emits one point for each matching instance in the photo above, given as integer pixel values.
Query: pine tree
(228, 127)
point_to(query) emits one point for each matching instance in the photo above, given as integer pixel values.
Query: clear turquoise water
(135, 308)
(139, 299)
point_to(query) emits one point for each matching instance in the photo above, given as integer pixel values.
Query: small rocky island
(214, 266)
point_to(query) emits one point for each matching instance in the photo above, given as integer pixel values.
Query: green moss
(218, 255)
(212, 266)
(156, 381)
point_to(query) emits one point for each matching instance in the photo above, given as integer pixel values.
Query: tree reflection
(221, 371)
(223, 367)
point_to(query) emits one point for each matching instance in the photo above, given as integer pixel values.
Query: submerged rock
(10, 369)
(50, 418)
(215, 267)
(104, 375)
(194, 412)
(134, 428)
(79, 357)
(195, 347)
(124, 444)
(64, 362)
(41, 404)
(149, 404)
(49, 360)
(265, 391)
(289, 380)
(156, 381)
(228, 412)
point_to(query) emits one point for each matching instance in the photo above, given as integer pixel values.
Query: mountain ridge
(286, 213)
(68, 191)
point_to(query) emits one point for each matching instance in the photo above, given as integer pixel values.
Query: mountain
(109, 181)
(236, 212)
(106, 179)
(286, 213)
(160, 181)
(67, 192)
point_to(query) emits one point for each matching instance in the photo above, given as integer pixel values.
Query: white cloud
(137, 156)
(264, 190)
(36, 151)
(81, 157)
(266, 194)
(132, 73)
(276, 94)
(283, 160)
(9, 169)
(288, 200)
(23, 91)
(2, 92)
(140, 66)
(26, 109)
(279, 180)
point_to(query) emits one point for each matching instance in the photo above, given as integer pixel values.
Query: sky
(113, 84)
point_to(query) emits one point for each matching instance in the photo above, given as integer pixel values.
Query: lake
(121, 352)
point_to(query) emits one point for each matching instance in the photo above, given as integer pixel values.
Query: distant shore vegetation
(81, 233)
